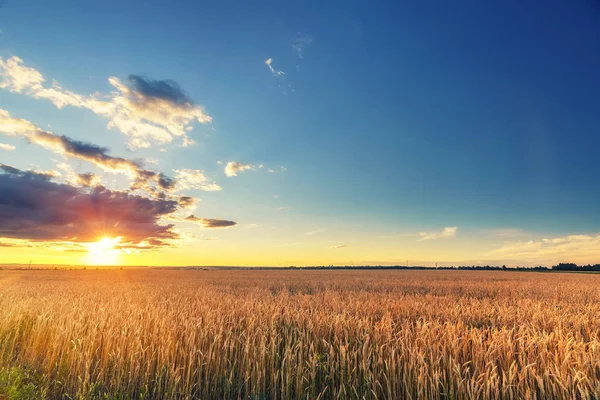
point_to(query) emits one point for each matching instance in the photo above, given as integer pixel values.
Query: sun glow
(104, 252)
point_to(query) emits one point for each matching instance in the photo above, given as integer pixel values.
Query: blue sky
(390, 120)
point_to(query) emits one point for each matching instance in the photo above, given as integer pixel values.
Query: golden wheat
(302, 334)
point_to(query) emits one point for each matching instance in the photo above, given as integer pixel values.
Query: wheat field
(177, 334)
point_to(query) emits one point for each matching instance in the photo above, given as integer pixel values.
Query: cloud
(34, 208)
(186, 201)
(7, 147)
(448, 232)
(16, 77)
(144, 109)
(96, 155)
(315, 232)
(43, 175)
(505, 232)
(570, 248)
(280, 169)
(234, 167)
(195, 179)
(88, 179)
(339, 246)
(211, 223)
(53, 246)
(300, 42)
(275, 72)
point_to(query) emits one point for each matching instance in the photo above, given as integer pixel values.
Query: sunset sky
(299, 133)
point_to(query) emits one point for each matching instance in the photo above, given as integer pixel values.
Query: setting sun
(103, 252)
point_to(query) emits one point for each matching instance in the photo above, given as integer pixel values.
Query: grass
(20, 384)
(149, 334)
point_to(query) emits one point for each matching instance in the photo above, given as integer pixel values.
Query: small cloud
(275, 196)
(220, 162)
(281, 208)
(252, 226)
(186, 202)
(275, 72)
(280, 169)
(339, 246)
(195, 179)
(7, 147)
(315, 232)
(300, 42)
(234, 167)
(88, 180)
(448, 232)
(505, 232)
(210, 222)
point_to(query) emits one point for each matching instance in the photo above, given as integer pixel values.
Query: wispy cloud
(145, 110)
(300, 42)
(7, 147)
(575, 248)
(233, 168)
(195, 179)
(280, 169)
(448, 232)
(505, 232)
(274, 72)
(96, 155)
(339, 246)
(315, 232)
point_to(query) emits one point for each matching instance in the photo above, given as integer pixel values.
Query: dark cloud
(211, 223)
(144, 179)
(217, 223)
(165, 90)
(186, 201)
(87, 179)
(86, 151)
(35, 208)
(8, 169)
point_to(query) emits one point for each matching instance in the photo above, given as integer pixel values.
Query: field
(157, 334)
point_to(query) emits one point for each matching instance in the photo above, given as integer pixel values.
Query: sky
(299, 133)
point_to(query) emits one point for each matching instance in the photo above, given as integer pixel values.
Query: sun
(103, 252)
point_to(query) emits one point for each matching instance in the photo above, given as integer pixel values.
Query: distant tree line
(559, 267)
(575, 267)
